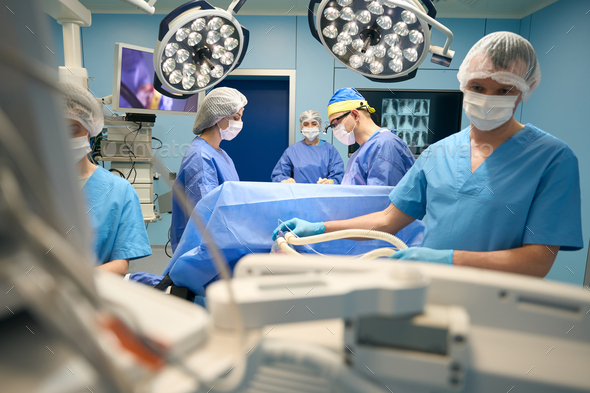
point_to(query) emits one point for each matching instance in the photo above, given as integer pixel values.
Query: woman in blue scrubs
(205, 165)
(498, 195)
(382, 158)
(311, 160)
(113, 206)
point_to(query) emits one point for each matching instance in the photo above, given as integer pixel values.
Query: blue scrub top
(381, 161)
(115, 218)
(202, 169)
(307, 163)
(526, 192)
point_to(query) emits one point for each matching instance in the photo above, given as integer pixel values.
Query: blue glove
(424, 254)
(300, 228)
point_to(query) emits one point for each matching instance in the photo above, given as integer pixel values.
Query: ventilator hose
(291, 238)
(283, 245)
(346, 234)
(380, 252)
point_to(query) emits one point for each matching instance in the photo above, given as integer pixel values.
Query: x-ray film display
(408, 117)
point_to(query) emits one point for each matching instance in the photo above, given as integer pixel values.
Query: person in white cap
(512, 202)
(311, 160)
(205, 165)
(113, 206)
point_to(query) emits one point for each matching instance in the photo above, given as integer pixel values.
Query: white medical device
(405, 327)
(283, 324)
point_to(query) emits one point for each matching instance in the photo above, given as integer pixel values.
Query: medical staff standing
(512, 202)
(205, 165)
(113, 205)
(382, 158)
(311, 160)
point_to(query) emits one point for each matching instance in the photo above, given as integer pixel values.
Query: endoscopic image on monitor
(409, 117)
(136, 86)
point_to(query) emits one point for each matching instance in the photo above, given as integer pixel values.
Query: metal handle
(246, 34)
(310, 19)
(235, 6)
(183, 8)
(431, 9)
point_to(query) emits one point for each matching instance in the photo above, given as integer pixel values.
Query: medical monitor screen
(133, 87)
(419, 118)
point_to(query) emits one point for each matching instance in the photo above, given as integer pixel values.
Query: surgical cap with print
(505, 57)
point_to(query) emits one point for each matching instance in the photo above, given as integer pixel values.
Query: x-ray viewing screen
(419, 117)
(408, 117)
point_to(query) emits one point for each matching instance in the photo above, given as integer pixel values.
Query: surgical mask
(488, 112)
(344, 137)
(232, 130)
(310, 133)
(80, 147)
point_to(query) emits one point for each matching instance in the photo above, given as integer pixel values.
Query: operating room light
(198, 46)
(384, 40)
(194, 38)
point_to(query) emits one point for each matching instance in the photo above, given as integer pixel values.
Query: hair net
(506, 58)
(83, 107)
(219, 103)
(310, 115)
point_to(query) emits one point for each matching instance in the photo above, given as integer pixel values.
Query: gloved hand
(300, 228)
(424, 254)
(289, 180)
(325, 181)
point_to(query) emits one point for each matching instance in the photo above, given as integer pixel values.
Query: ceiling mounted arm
(147, 7)
(235, 6)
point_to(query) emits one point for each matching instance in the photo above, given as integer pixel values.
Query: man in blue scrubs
(205, 165)
(311, 160)
(382, 158)
(113, 206)
(498, 195)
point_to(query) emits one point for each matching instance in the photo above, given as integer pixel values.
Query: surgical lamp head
(198, 46)
(383, 40)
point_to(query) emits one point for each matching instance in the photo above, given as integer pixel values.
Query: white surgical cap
(506, 58)
(310, 115)
(82, 106)
(219, 103)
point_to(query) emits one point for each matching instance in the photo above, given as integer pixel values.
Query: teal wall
(284, 42)
(560, 104)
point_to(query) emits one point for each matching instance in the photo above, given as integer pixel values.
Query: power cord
(161, 144)
(166, 246)
(117, 171)
(95, 147)
(131, 153)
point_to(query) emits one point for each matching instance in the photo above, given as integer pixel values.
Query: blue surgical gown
(526, 192)
(115, 218)
(202, 169)
(240, 216)
(381, 161)
(307, 163)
